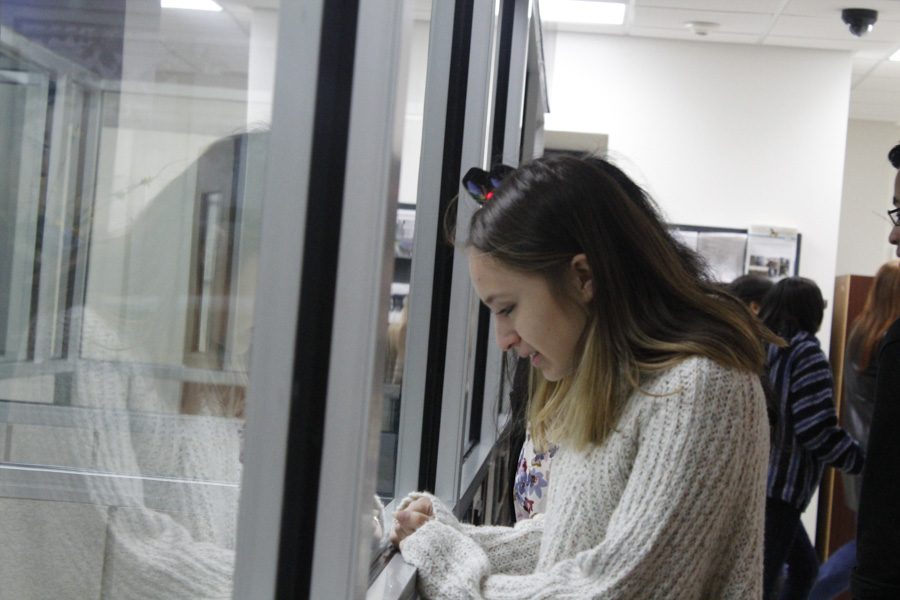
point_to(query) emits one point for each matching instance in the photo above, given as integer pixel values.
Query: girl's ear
(584, 277)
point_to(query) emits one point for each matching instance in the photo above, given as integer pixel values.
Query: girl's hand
(407, 520)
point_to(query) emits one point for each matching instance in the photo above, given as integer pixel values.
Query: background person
(806, 436)
(751, 289)
(877, 574)
(881, 309)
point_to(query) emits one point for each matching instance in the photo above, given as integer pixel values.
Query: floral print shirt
(530, 486)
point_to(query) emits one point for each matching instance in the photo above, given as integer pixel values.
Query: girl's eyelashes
(506, 311)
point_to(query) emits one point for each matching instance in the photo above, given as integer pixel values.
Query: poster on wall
(772, 251)
(723, 250)
(688, 238)
(724, 253)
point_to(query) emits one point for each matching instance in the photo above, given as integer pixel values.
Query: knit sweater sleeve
(812, 409)
(700, 463)
(503, 549)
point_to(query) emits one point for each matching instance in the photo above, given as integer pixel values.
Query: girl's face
(530, 315)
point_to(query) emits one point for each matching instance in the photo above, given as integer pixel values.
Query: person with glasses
(877, 573)
(881, 309)
(645, 374)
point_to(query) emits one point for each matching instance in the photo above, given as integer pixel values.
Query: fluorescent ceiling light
(587, 12)
(896, 56)
(191, 4)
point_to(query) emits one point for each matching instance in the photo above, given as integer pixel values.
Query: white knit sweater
(671, 506)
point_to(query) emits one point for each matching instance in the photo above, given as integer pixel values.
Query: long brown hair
(881, 309)
(653, 303)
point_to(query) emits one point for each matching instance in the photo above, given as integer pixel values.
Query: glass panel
(134, 146)
(403, 251)
(23, 114)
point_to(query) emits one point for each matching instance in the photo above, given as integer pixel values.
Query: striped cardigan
(807, 437)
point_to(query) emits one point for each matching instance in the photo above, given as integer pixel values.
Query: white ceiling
(212, 48)
(875, 91)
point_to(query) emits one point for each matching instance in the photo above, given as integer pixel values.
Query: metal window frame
(334, 544)
(456, 473)
(275, 319)
(326, 448)
(459, 468)
(426, 236)
(493, 421)
(344, 539)
(14, 344)
(71, 175)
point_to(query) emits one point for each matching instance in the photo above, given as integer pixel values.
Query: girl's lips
(536, 359)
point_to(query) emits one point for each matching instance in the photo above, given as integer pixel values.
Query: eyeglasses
(894, 214)
(481, 184)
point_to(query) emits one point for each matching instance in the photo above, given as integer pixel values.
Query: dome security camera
(859, 20)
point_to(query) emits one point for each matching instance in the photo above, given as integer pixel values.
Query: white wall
(868, 187)
(721, 135)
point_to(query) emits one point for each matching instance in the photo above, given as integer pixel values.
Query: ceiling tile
(684, 34)
(863, 65)
(833, 28)
(585, 28)
(749, 6)
(863, 96)
(875, 112)
(887, 9)
(873, 83)
(804, 42)
(887, 68)
(730, 22)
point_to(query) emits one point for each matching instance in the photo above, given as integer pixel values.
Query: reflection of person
(646, 375)
(396, 350)
(751, 289)
(806, 436)
(881, 309)
(877, 573)
(157, 482)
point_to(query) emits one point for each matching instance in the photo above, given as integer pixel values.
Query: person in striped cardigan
(806, 436)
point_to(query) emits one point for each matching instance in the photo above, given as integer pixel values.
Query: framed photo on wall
(772, 252)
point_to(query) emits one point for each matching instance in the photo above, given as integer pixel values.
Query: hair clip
(481, 184)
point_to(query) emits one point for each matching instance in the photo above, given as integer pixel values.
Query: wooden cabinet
(836, 523)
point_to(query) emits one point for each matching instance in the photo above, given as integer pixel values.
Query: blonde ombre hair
(653, 304)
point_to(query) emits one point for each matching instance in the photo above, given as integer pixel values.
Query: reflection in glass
(134, 148)
(395, 353)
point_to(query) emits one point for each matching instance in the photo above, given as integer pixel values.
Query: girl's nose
(506, 337)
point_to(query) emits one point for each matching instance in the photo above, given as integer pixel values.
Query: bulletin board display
(772, 252)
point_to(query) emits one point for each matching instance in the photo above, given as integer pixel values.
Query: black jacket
(877, 574)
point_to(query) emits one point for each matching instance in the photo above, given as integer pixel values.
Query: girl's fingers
(422, 505)
(408, 521)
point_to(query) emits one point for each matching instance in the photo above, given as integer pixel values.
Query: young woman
(646, 376)
(882, 308)
(806, 437)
